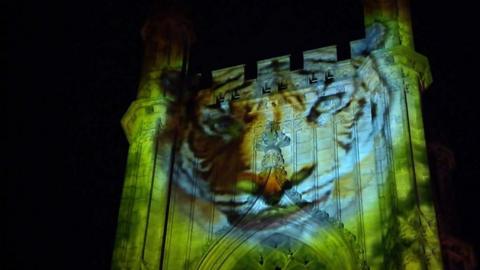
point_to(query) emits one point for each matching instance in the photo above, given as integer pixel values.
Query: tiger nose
(273, 190)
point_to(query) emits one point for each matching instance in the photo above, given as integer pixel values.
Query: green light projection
(319, 168)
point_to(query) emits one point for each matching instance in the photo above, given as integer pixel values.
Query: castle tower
(318, 168)
(167, 36)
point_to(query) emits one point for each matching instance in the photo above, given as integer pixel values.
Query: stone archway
(280, 252)
(322, 243)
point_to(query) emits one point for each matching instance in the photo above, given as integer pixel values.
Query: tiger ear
(302, 174)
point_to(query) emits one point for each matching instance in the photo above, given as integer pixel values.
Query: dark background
(73, 69)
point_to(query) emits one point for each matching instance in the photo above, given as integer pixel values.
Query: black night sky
(73, 70)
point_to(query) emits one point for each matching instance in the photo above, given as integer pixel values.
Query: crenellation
(228, 78)
(319, 60)
(357, 48)
(275, 65)
(323, 54)
(274, 74)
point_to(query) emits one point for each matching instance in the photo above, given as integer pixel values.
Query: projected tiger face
(273, 156)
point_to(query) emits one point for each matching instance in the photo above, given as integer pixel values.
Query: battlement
(320, 66)
(228, 78)
(317, 63)
(275, 65)
(315, 60)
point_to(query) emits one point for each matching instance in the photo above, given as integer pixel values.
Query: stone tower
(167, 36)
(318, 168)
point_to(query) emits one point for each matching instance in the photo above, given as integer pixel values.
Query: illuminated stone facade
(318, 168)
